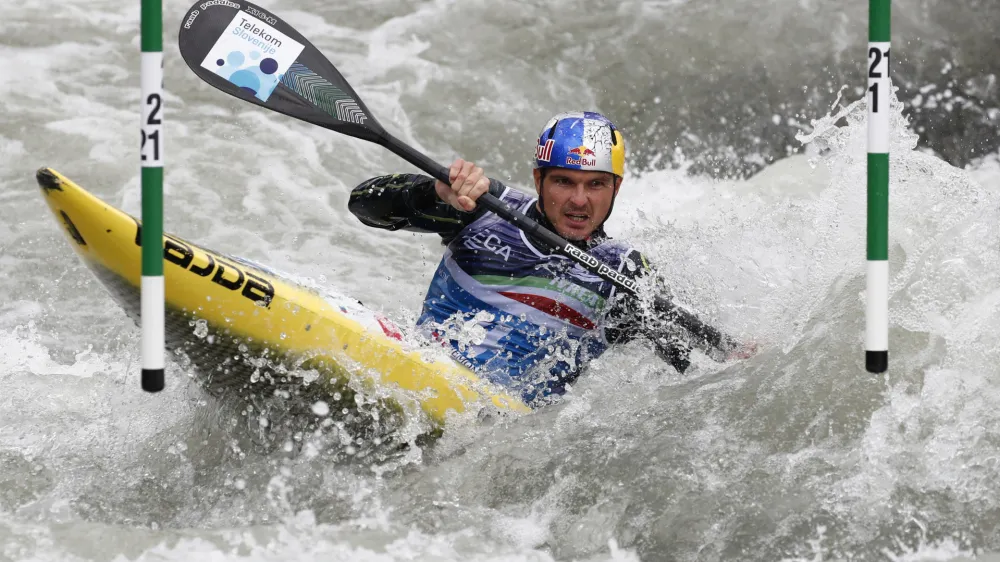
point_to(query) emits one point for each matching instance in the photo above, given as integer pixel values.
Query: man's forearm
(703, 336)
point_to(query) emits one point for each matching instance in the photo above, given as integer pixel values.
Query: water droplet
(321, 408)
(201, 328)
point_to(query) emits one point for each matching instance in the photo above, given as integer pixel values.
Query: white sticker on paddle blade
(252, 55)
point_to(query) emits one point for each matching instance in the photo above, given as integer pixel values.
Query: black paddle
(247, 52)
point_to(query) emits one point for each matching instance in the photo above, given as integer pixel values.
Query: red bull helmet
(581, 140)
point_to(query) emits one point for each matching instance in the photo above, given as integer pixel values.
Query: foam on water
(23, 352)
(300, 538)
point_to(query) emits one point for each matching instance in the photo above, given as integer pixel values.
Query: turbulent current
(746, 128)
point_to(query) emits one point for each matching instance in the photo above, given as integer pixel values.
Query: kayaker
(540, 317)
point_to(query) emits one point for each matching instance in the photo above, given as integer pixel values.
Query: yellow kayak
(243, 327)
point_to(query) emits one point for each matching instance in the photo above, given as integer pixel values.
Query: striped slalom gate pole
(151, 151)
(877, 306)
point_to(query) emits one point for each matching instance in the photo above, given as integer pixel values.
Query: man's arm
(408, 202)
(709, 339)
(422, 204)
(671, 329)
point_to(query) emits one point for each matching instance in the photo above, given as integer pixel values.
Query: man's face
(576, 201)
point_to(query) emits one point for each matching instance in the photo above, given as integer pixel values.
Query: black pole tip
(152, 380)
(877, 361)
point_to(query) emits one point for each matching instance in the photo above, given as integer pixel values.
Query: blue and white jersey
(517, 315)
(520, 317)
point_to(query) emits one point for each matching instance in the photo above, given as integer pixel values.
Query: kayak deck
(242, 328)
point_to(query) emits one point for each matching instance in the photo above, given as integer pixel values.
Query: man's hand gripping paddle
(249, 53)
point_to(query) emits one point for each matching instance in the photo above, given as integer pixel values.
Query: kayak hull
(240, 327)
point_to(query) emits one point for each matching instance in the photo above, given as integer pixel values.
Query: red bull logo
(581, 156)
(581, 151)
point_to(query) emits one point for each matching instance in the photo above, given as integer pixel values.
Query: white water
(796, 454)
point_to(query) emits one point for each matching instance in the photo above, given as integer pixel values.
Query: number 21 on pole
(877, 294)
(151, 155)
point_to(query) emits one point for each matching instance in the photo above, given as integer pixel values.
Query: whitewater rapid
(795, 454)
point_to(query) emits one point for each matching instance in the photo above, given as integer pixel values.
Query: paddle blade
(247, 52)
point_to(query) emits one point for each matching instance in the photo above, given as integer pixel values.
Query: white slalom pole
(877, 307)
(152, 308)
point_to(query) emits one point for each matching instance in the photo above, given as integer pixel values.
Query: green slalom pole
(151, 150)
(877, 306)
